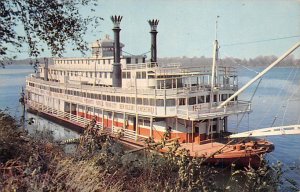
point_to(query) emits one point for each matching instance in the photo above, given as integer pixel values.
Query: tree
(54, 23)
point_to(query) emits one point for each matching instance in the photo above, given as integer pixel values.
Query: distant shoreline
(259, 61)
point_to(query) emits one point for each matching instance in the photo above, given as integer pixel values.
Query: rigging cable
(263, 117)
(136, 55)
(259, 41)
(292, 95)
(256, 88)
(285, 99)
(243, 115)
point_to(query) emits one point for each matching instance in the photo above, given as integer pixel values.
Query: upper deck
(147, 88)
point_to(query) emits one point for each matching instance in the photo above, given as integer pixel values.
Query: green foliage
(54, 23)
(102, 164)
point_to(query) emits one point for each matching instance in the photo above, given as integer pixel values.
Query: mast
(261, 74)
(215, 58)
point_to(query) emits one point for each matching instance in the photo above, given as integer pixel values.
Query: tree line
(231, 61)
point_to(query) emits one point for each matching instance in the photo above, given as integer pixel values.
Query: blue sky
(187, 27)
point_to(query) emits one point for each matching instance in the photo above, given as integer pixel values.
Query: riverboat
(144, 98)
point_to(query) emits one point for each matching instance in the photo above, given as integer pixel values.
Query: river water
(276, 102)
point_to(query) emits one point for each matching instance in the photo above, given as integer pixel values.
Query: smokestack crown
(116, 20)
(153, 24)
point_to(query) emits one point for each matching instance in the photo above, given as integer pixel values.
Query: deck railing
(198, 112)
(139, 91)
(128, 134)
(81, 121)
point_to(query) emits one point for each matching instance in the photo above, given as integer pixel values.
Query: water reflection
(58, 132)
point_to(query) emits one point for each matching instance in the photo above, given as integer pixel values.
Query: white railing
(81, 121)
(126, 133)
(140, 66)
(203, 111)
(129, 134)
(140, 92)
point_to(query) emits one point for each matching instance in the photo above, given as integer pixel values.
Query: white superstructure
(153, 96)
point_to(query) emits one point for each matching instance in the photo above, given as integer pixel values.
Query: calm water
(276, 102)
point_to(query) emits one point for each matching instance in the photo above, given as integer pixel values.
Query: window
(98, 96)
(133, 100)
(224, 97)
(144, 75)
(103, 61)
(113, 98)
(215, 98)
(152, 102)
(200, 99)
(207, 98)
(192, 100)
(128, 99)
(140, 121)
(104, 97)
(170, 102)
(138, 75)
(159, 102)
(136, 60)
(123, 99)
(128, 75)
(124, 75)
(118, 99)
(105, 75)
(139, 101)
(147, 122)
(214, 128)
(181, 101)
(144, 59)
(145, 101)
(128, 60)
(108, 98)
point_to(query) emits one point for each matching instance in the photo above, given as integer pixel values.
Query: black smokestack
(117, 71)
(153, 24)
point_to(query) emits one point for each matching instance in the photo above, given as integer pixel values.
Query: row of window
(125, 75)
(84, 61)
(97, 61)
(82, 74)
(139, 101)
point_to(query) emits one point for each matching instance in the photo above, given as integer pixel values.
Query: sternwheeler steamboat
(144, 98)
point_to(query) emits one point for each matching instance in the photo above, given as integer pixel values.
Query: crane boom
(281, 130)
(260, 74)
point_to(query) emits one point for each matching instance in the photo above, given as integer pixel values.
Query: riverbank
(38, 163)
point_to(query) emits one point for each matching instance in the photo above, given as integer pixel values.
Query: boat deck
(203, 150)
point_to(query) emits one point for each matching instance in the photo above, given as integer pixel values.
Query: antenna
(216, 29)
(214, 68)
